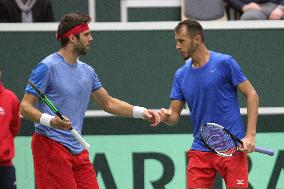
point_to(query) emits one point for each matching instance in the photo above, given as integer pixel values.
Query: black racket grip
(59, 115)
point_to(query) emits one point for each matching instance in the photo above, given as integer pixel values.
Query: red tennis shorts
(56, 167)
(203, 166)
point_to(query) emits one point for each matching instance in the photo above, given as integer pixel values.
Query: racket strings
(219, 140)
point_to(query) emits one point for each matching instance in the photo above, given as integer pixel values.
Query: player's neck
(200, 57)
(69, 56)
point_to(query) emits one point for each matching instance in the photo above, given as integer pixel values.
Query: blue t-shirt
(211, 94)
(69, 88)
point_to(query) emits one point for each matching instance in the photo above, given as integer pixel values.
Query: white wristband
(45, 119)
(138, 112)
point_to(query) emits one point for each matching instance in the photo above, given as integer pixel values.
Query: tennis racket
(222, 142)
(55, 110)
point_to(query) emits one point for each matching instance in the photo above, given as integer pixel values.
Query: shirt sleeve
(176, 92)
(97, 84)
(16, 121)
(39, 78)
(235, 74)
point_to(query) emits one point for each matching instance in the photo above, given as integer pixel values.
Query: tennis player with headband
(208, 83)
(59, 159)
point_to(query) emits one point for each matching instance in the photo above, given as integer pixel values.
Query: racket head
(219, 140)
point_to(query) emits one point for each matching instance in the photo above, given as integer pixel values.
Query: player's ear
(197, 39)
(72, 37)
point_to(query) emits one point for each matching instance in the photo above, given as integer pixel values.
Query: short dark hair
(68, 22)
(193, 27)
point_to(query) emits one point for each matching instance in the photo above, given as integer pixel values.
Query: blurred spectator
(26, 11)
(259, 9)
(9, 128)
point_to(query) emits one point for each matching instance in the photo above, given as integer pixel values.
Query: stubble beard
(82, 50)
(190, 51)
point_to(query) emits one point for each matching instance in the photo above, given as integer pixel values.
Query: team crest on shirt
(240, 182)
(2, 111)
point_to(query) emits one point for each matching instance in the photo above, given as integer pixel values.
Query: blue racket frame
(236, 140)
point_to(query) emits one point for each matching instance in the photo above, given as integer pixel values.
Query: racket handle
(264, 151)
(80, 138)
